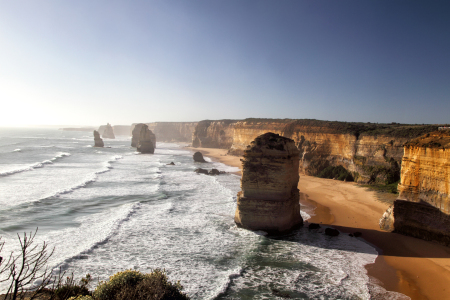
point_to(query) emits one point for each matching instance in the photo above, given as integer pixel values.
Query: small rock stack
(98, 140)
(269, 197)
(109, 132)
(147, 141)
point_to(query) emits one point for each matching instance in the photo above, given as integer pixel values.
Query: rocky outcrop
(171, 131)
(423, 207)
(98, 140)
(372, 153)
(269, 197)
(198, 157)
(147, 141)
(135, 134)
(214, 134)
(108, 132)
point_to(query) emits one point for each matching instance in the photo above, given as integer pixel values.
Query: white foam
(21, 168)
(17, 150)
(89, 179)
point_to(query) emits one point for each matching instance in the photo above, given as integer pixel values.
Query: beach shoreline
(413, 267)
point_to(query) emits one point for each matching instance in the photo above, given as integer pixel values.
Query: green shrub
(339, 173)
(70, 289)
(131, 284)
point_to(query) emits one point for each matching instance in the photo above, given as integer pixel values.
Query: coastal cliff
(171, 131)
(372, 153)
(269, 197)
(214, 134)
(423, 207)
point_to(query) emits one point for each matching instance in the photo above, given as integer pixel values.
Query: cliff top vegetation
(357, 129)
(436, 139)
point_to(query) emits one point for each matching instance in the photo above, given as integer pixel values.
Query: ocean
(109, 209)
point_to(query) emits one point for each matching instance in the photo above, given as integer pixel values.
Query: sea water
(109, 209)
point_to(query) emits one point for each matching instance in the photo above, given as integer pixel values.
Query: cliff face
(423, 207)
(214, 134)
(269, 197)
(172, 131)
(425, 174)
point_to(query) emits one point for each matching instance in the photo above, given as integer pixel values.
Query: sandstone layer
(269, 197)
(108, 132)
(98, 140)
(147, 141)
(371, 152)
(423, 207)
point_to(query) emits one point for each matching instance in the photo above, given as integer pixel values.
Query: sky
(91, 62)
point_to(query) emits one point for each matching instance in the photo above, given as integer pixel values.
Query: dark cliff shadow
(392, 244)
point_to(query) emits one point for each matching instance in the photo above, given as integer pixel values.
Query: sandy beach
(416, 268)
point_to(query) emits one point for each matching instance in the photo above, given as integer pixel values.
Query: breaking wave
(35, 165)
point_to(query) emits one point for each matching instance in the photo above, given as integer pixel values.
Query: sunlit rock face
(423, 207)
(147, 141)
(98, 140)
(109, 132)
(269, 197)
(214, 134)
(135, 134)
(372, 153)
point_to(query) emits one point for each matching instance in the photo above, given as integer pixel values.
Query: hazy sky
(92, 62)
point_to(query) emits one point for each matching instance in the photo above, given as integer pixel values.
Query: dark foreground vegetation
(28, 277)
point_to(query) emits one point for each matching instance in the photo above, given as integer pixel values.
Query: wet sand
(416, 268)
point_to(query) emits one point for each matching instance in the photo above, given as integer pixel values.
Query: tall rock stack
(98, 140)
(109, 132)
(135, 134)
(147, 141)
(269, 197)
(422, 209)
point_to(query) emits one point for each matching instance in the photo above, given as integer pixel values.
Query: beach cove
(405, 265)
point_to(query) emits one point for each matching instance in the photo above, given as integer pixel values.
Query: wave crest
(35, 165)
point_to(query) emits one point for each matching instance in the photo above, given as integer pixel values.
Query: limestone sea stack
(422, 209)
(109, 132)
(269, 197)
(98, 140)
(135, 134)
(147, 141)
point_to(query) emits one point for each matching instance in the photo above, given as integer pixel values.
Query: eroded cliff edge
(371, 153)
(422, 209)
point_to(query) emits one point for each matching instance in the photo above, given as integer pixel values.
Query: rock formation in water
(198, 157)
(98, 140)
(135, 134)
(269, 197)
(147, 141)
(171, 131)
(422, 209)
(109, 132)
(370, 153)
